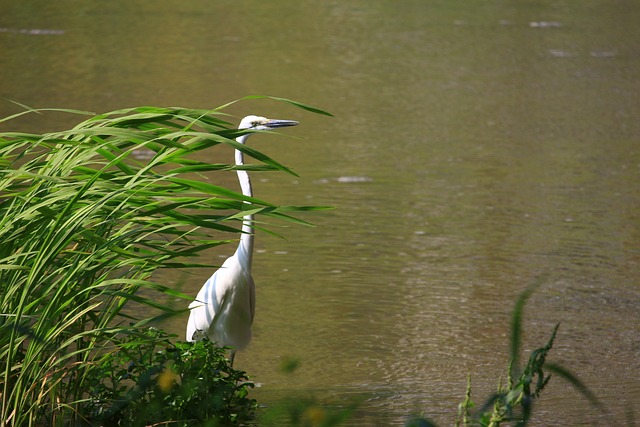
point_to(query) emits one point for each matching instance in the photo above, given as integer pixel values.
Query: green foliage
(148, 380)
(85, 220)
(306, 411)
(86, 216)
(514, 401)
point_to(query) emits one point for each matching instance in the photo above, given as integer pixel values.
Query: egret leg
(233, 356)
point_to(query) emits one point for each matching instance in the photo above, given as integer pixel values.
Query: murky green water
(476, 146)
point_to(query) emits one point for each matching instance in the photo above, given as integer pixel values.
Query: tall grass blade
(288, 101)
(516, 326)
(576, 383)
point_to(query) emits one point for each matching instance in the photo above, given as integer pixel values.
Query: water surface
(476, 146)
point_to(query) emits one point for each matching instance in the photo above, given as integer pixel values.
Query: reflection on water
(476, 146)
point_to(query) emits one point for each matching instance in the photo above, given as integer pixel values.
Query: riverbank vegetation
(87, 215)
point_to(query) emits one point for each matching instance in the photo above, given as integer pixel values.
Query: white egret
(224, 308)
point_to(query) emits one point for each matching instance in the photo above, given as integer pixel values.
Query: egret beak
(274, 123)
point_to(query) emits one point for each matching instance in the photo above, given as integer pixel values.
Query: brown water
(476, 146)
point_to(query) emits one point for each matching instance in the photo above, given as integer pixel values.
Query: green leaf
(516, 324)
(575, 382)
(289, 101)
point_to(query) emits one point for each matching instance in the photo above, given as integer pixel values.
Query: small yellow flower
(314, 415)
(167, 379)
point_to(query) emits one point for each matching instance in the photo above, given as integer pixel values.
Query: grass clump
(87, 215)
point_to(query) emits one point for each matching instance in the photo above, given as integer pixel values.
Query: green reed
(513, 402)
(84, 223)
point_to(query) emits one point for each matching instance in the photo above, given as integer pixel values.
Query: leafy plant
(86, 216)
(514, 401)
(147, 379)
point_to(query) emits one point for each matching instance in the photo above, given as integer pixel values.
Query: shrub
(147, 379)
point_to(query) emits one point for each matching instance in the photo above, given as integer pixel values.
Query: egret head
(262, 123)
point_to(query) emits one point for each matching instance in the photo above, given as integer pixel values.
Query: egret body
(224, 308)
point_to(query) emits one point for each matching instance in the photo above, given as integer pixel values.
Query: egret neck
(246, 239)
